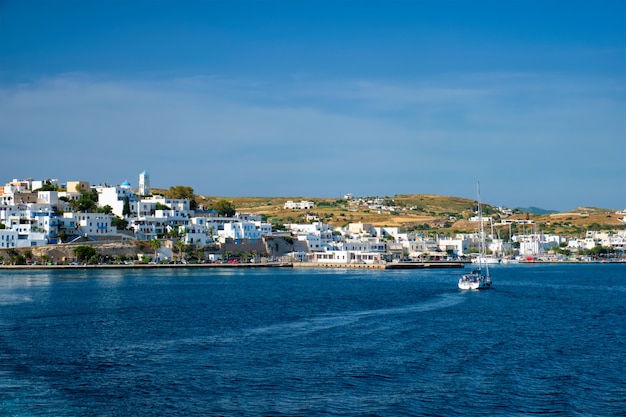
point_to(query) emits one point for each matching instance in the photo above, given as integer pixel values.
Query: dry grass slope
(428, 212)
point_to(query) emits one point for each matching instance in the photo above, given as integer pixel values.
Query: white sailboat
(479, 278)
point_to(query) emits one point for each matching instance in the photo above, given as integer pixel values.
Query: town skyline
(321, 99)
(140, 186)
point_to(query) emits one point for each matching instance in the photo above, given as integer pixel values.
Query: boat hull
(474, 282)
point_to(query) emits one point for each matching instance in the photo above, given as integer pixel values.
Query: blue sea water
(546, 340)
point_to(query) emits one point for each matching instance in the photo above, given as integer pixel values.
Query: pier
(389, 265)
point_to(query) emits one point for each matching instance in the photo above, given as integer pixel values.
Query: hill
(420, 212)
(535, 210)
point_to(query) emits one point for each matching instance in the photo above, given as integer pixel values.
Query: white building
(324, 231)
(536, 243)
(263, 227)
(27, 234)
(196, 232)
(180, 204)
(343, 256)
(8, 239)
(148, 227)
(92, 224)
(457, 246)
(302, 205)
(313, 242)
(35, 224)
(48, 197)
(239, 230)
(115, 196)
(596, 238)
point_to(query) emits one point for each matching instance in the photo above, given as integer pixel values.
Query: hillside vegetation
(421, 212)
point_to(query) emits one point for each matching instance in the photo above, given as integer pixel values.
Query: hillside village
(44, 221)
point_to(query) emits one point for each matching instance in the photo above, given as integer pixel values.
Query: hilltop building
(144, 184)
(302, 205)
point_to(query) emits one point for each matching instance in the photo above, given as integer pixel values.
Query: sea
(547, 339)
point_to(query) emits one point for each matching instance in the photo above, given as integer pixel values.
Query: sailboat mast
(481, 231)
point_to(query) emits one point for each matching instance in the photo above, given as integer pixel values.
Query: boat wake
(293, 329)
(314, 324)
(14, 299)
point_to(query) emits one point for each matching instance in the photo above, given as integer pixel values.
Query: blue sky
(321, 98)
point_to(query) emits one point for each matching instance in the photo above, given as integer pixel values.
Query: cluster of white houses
(31, 217)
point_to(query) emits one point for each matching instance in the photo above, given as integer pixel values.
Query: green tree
(126, 210)
(224, 208)
(562, 250)
(28, 255)
(155, 244)
(86, 203)
(180, 246)
(198, 253)
(160, 206)
(106, 209)
(84, 252)
(48, 187)
(120, 223)
(183, 192)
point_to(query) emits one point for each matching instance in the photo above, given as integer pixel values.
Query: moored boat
(492, 260)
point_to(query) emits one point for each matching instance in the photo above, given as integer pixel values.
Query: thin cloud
(368, 137)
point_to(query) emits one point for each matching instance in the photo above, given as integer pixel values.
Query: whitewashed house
(35, 224)
(179, 204)
(536, 243)
(239, 230)
(115, 196)
(196, 232)
(48, 197)
(302, 205)
(313, 242)
(37, 184)
(8, 239)
(148, 227)
(457, 246)
(92, 224)
(344, 256)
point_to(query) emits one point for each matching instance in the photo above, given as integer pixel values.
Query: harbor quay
(281, 264)
(389, 265)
